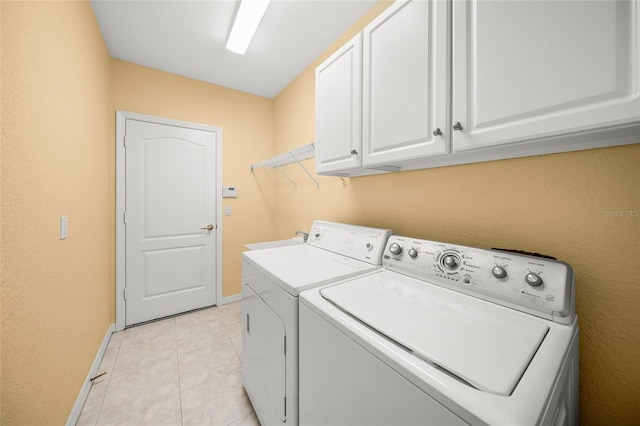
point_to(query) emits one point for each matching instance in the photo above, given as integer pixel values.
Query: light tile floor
(177, 372)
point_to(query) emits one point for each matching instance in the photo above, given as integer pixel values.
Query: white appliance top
(483, 344)
(433, 299)
(334, 251)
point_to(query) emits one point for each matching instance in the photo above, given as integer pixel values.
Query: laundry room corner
(294, 110)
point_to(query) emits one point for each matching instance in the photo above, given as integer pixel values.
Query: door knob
(437, 132)
(208, 227)
(457, 126)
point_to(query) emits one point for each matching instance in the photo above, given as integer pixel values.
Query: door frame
(121, 117)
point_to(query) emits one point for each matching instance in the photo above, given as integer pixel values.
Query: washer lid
(484, 344)
(297, 268)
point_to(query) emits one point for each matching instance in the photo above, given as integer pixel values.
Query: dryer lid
(484, 344)
(300, 267)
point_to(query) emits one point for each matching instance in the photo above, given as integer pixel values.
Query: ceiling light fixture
(249, 15)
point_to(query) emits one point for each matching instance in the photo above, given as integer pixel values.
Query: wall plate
(229, 192)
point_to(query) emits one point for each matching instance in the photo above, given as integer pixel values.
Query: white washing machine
(442, 334)
(272, 279)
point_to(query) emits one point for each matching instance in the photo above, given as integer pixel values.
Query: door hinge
(124, 293)
(285, 345)
(248, 324)
(285, 406)
(124, 217)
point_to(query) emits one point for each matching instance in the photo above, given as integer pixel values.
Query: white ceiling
(188, 38)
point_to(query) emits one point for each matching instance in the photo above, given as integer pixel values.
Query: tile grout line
(179, 381)
(228, 320)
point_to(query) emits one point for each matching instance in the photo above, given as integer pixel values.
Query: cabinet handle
(437, 132)
(354, 152)
(457, 126)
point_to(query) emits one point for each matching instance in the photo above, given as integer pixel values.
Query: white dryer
(442, 334)
(272, 279)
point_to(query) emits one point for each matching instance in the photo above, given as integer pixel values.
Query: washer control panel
(359, 242)
(536, 285)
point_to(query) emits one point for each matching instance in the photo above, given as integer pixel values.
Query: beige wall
(55, 150)
(0, 216)
(554, 204)
(247, 138)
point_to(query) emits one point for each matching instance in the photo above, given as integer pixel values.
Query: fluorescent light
(248, 17)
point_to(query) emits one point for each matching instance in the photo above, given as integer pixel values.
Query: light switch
(63, 227)
(227, 211)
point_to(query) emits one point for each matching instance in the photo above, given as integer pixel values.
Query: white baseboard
(231, 299)
(86, 387)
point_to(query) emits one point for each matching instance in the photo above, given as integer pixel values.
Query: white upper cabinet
(526, 70)
(403, 66)
(441, 82)
(406, 83)
(338, 109)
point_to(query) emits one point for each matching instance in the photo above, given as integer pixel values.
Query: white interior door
(170, 216)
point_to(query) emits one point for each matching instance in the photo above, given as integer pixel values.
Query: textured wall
(571, 206)
(55, 146)
(247, 138)
(0, 212)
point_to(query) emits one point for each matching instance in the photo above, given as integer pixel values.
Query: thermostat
(229, 192)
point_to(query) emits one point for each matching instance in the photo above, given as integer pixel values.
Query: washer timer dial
(450, 261)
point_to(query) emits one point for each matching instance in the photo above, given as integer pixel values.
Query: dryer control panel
(358, 242)
(536, 285)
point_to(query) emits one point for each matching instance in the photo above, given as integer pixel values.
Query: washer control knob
(413, 253)
(499, 272)
(451, 261)
(533, 280)
(395, 248)
(369, 246)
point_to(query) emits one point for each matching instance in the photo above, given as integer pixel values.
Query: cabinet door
(338, 106)
(406, 82)
(535, 69)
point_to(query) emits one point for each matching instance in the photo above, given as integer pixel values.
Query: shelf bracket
(305, 170)
(275, 165)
